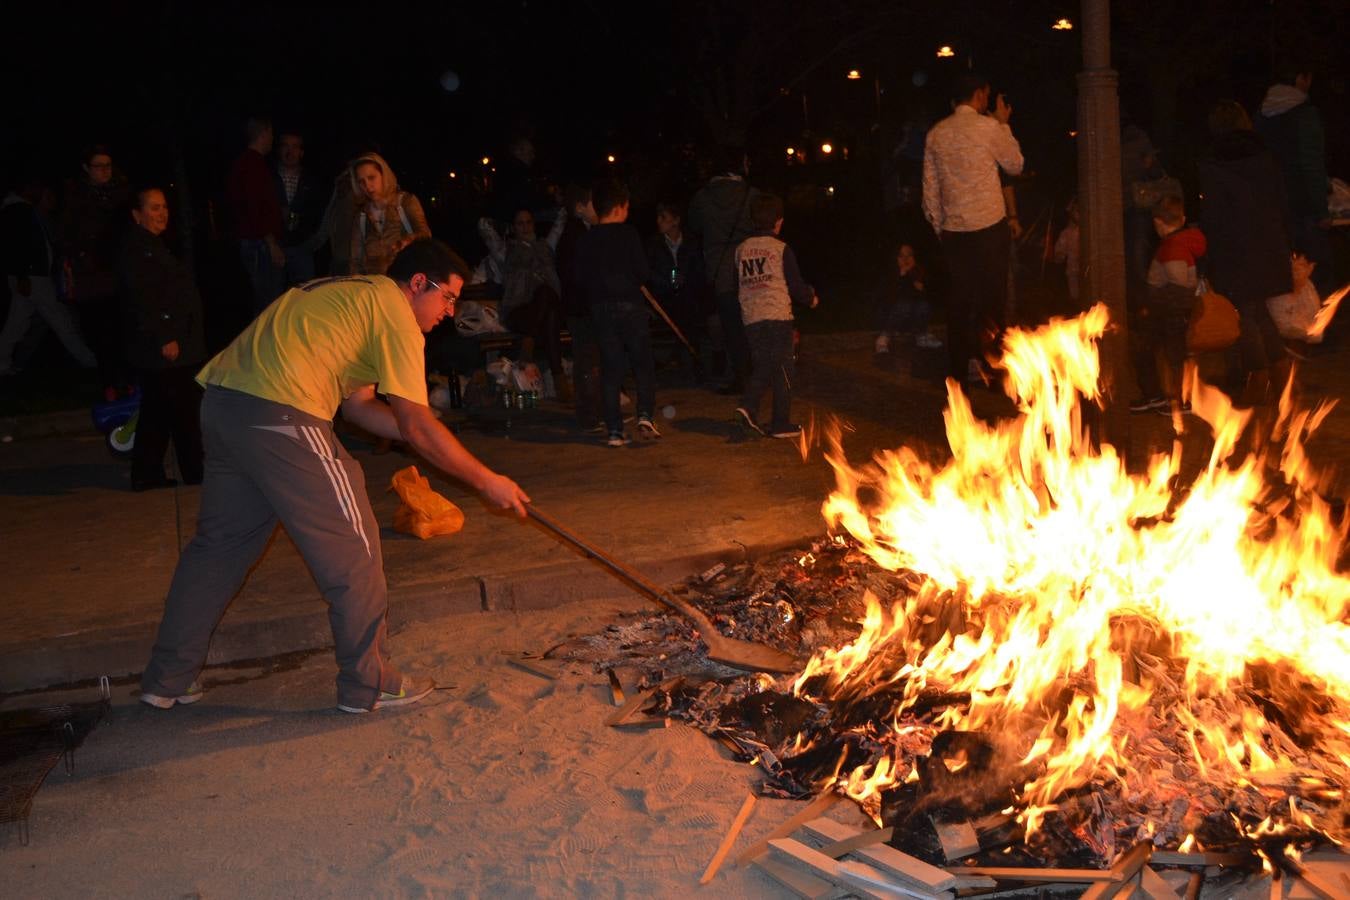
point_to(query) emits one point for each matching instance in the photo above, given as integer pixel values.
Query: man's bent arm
(438, 446)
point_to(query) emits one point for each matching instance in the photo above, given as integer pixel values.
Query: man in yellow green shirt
(272, 457)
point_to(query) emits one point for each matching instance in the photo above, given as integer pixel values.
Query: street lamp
(945, 52)
(827, 148)
(854, 75)
(1062, 25)
(609, 158)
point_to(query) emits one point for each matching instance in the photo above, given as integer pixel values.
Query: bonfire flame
(1061, 566)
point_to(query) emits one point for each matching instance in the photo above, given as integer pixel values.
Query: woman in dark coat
(1242, 216)
(162, 327)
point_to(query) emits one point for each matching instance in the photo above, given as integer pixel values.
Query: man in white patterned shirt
(963, 201)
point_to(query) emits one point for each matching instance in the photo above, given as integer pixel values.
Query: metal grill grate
(32, 741)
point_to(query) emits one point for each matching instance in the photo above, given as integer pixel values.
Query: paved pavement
(88, 562)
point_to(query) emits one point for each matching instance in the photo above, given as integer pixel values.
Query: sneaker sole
(396, 701)
(648, 434)
(159, 702)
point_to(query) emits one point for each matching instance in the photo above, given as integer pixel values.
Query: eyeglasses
(447, 297)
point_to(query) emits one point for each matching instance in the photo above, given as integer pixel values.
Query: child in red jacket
(1160, 323)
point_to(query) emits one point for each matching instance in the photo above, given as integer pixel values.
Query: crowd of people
(346, 280)
(582, 289)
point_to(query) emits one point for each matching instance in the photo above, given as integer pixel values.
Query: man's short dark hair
(965, 86)
(575, 194)
(430, 257)
(731, 159)
(671, 208)
(607, 195)
(93, 150)
(255, 126)
(765, 211)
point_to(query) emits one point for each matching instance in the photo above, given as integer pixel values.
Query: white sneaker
(410, 690)
(646, 429)
(882, 345)
(158, 701)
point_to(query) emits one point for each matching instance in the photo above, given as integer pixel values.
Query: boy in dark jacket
(770, 283)
(676, 261)
(611, 268)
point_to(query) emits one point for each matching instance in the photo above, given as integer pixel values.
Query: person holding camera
(963, 201)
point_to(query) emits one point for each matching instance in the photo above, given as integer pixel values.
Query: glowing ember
(1095, 613)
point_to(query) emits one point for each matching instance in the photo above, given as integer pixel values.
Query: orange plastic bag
(423, 512)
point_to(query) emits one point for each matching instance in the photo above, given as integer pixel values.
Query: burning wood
(1028, 631)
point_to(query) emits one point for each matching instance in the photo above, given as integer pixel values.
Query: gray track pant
(268, 463)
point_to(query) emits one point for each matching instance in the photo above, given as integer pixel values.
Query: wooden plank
(1197, 860)
(615, 688)
(644, 722)
(624, 712)
(1317, 885)
(859, 840)
(1154, 887)
(958, 839)
(800, 883)
(533, 668)
(974, 883)
(1027, 873)
(870, 878)
(909, 870)
(814, 809)
(860, 878)
(732, 833)
(1125, 868)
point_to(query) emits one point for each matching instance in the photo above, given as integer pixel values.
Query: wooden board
(622, 714)
(725, 847)
(861, 839)
(958, 839)
(534, 667)
(815, 808)
(860, 878)
(1125, 868)
(1030, 873)
(802, 884)
(1154, 887)
(906, 868)
(1197, 860)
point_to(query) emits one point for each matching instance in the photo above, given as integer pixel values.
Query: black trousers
(170, 408)
(771, 352)
(623, 332)
(978, 264)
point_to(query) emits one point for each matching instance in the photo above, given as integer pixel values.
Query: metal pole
(1102, 215)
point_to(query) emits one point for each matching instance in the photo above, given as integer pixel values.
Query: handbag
(1214, 322)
